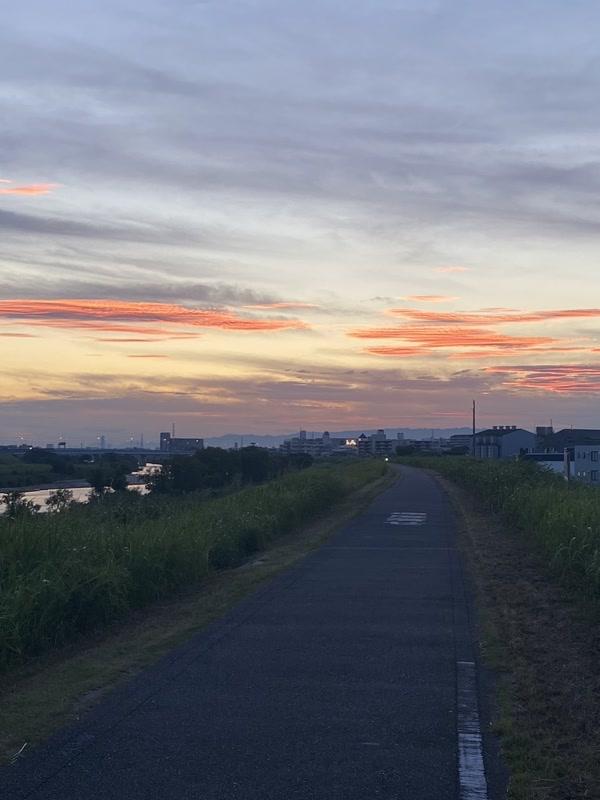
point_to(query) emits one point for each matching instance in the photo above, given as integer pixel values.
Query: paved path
(348, 677)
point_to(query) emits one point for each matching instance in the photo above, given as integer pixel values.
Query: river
(81, 494)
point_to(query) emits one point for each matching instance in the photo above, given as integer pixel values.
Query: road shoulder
(541, 645)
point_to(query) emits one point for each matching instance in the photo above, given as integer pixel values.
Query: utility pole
(473, 438)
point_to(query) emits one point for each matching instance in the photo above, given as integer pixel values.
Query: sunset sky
(260, 215)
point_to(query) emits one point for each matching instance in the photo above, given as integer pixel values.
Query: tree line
(214, 468)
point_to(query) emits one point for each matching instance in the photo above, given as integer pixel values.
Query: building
(551, 442)
(318, 446)
(377, 444)
(173, 444)
(585, 463)
(461, 441)
(504, 441)
(552, 462)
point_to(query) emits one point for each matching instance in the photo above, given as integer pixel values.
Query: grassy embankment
(54, 689)
(535, 565)
(66, 573)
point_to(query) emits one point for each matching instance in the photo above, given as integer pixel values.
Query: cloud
(397, 352)
(127, 230)
(433, 336)
(136, 282)
(428, 298)
(495, 317)
(125, 317)
(281, 305)
(563, 379)
(162, 338)
(29, 189)
(471, 333)
(19, 335)
(146, 355)
(105, 327)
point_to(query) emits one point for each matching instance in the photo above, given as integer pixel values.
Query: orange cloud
(281, 305)
(154, 337)
(128, 339)
(494, 317)
(428, 298)
(398, 352)
(105, 327)
(29, 189)
(477, 354)
(146, 355)
(452, 337)
(20, 335)
(118, 316)
(469, 342)
(557, 379)
(452, 269)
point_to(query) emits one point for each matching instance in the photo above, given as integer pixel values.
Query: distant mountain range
(229, 439)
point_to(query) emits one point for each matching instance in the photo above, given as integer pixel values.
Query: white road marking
(471, 770)
(407, 518)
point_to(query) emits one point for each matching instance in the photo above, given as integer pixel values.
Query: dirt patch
(543, 642)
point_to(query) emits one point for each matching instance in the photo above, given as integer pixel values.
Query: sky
(249, 215)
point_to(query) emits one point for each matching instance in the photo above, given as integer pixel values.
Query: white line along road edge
(471, 770)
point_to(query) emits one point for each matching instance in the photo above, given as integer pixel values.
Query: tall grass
(65, 573)
(562, 519)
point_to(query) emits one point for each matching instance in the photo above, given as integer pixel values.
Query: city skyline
(266, 217)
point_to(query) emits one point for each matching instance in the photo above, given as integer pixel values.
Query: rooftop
(570, 436)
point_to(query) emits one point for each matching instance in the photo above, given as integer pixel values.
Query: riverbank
(48, 487)
(64, 578)
(56, 688)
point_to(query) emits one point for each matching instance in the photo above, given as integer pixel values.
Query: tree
(255, 464)
(98, 480)
(60, 500)
(406, 450)
(17, 505)
(300, 460)
(118, 482)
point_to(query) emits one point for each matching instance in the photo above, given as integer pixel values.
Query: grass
(561, 520)
(67, 573)
(58, 687)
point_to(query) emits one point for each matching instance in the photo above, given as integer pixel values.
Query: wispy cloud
(431, 339)
(495, 317)
(450, 270)
(429, 298)
(281, 305)
(27, 189)
(125, 317)
(564, 379)
(471, 334)
(434, 336)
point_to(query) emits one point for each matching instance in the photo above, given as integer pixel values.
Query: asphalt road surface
(351, 676)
